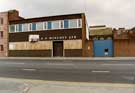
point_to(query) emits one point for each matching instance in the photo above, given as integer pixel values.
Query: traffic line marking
(119, 64)
(29, 69)
(94, 71)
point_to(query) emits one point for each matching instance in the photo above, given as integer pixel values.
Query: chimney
(14, 15)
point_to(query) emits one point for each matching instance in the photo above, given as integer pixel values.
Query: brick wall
(4, 35)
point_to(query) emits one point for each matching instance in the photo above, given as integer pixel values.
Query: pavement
(68, 58)
(12, 85)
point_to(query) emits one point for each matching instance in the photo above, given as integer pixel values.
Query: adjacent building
(3, 34)
(124, 42)
(101, 38)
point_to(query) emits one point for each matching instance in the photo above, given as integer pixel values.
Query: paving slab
(12, 85)
(80, 88)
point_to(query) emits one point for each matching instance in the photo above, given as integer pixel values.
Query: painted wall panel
(73, 44)
(41, 45)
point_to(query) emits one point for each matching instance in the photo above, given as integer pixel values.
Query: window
(1, 21)
(39, 26)
(33, 26)
(61, 24)
(20, 28)
(73, 23)
(66, 24)
(33, 38)
(49, 25)
(16, 28)
(1, 34)
(1, 48)
(11, 46)
(30, 27)
(79, 23)
(45, 25)
(56, 24)
(12, 28)
(25, 27)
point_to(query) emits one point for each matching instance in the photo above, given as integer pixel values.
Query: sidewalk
(10, 85)
(68, 58)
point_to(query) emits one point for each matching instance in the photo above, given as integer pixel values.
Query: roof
(48, 18)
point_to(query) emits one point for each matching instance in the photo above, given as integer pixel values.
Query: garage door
(103, 48)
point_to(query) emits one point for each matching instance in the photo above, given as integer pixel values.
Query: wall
(72, 48)
(124, 43)
(4, 29)
(89, 48)
(124, 48)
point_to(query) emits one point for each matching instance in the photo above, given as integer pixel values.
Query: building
(101, 38)
(3, 34)
(124, 42)
(52, 36)
(5, 18)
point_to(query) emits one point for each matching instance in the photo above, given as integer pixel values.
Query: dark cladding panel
(64, 34)
(73, 53)
(49, 18)
(30, 53)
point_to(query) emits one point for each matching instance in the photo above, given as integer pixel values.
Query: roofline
(50, 16)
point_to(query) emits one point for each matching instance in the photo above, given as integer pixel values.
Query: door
(58, 48)
(103, 48)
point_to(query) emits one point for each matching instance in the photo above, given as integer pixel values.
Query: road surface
(95, 71)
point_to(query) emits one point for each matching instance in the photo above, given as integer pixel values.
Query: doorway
(58, 49)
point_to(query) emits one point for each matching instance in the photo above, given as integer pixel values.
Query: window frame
(48, 25)
(59, 27)
(80, 23)
(32, 26)
(68, 24)
(25, 24)
(10, 29)
(38, 24)
(45, 25)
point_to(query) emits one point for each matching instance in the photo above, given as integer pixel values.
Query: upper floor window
(45, 25)
(39, 26)
(79, 23)
(1, 21)
(25, 27)
(49, 25)
(20, 28)
(12, 28)
(62, 24)
(1, 34)
(66, 24)
(73, 23)
(1, 48)
(33, 26)
(55, 24)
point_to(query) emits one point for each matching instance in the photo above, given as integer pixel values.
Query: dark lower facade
(48, 44)
(45, 53)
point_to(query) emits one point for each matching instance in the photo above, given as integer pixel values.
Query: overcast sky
(113, 13)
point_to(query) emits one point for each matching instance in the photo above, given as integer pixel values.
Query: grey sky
(114, 13)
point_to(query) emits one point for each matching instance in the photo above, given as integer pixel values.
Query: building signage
(59, 38)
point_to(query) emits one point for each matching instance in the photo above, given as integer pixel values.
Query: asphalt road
(100, 71)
